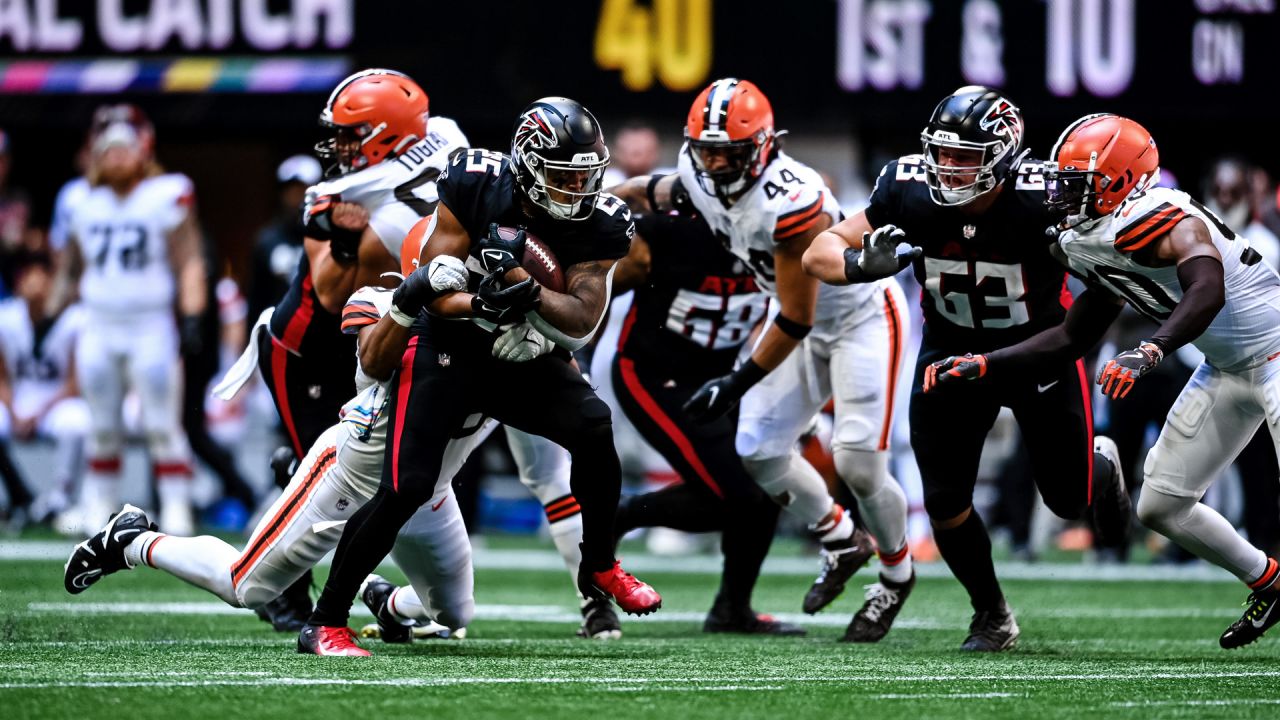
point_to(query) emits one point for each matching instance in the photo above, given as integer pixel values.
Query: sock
(596, 481)
(1266, 578)
(679, 507)
(203, 561)
(748, 533)
(406, 606)
(838, 527)
(881, 501)
(101, 483)
(967, 550)
(565, 518)
(895, 566)
(366, 540)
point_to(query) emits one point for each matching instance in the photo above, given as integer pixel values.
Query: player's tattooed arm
(571, 318)
(633, 270)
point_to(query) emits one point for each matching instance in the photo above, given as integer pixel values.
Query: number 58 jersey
(1246, 331)
(124, 244)
(786, 201)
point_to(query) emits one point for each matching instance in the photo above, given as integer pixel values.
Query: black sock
(595, 478)
(679, 507)
(366, 540)
(967, 550)
(748, 533)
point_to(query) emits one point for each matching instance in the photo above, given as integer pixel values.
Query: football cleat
(1260, 614)
(840, 560)
(992, 631)
(420, 629)
(745, 621)
(884, 600)
(376, 594)
(599, 621)
(289, 611)
(634, 596)
(335, 641)
(1112, 510)
(103, 553)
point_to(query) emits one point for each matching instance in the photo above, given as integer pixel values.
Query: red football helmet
(375, 114)
(1098, 161)
(730, 136)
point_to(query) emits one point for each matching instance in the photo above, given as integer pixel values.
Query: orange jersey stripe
(1149, 227)
(258, 546)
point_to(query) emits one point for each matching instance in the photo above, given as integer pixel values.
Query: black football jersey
(479, 188)
(989, 280)
(689, 321)
(303, 326)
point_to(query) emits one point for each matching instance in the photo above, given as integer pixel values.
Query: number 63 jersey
(124, 243)
(1246, 331)
(989, 279)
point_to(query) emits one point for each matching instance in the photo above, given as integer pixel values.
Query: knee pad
(1164, 471)
(854, 431)
(864, 472)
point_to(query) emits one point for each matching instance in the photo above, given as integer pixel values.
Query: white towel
(246, 364)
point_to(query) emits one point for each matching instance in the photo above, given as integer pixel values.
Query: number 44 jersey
(1244, 334)
(989, 279)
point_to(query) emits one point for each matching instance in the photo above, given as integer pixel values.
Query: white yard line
(548, 560)
(1196, 703)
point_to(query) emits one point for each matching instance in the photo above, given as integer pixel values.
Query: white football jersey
(1247, 329)
(38, 362)
(400, 191)
(363, 415)
(124, 243)
(785, 201)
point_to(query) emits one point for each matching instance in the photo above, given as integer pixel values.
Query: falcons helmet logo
(1003, 119)
(535, 131)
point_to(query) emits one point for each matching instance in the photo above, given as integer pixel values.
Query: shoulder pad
(1143, 218)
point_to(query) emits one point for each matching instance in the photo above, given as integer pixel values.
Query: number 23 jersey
(989, 279)
(1246, 331)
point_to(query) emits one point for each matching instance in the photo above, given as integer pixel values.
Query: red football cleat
(337, 641)
(633, 596)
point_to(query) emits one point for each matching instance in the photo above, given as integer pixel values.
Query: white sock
(567, 534)
(839, 527)
(406, 606)
(203, 561)
(896, 566)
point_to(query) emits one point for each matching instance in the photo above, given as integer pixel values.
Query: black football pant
(439, 392)
(949, 427)
(717, 493)
(308, 391)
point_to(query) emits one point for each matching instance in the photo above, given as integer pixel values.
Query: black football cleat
(329, 641)
(599, 621)
(289, 612)
(884, 600)
(840, 560)
(1260, 614)
(992, 631)
(745, 621)
(1112, 511)
(283, 465)
(103, 553)
(376, 592)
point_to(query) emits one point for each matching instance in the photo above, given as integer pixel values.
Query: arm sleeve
(1203, 295)
(1086, 322)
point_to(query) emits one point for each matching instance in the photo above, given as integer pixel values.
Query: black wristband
(649, 190)
(748, 374)
(852, 271)
(791, 327)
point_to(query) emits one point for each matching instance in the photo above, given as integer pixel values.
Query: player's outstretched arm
(571, 318)
(825, 257)
(852, 252)
(646, 193)
(633, 270)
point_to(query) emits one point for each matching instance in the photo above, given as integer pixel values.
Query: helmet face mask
(959, 172)
(559, 158)
(729, 137)
(724, 168)
(1071, 193)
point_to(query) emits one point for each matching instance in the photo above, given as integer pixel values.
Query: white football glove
(880, 256)
(521, 343)
(447, 273)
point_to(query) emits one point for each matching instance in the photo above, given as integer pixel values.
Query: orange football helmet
(375, 114)
(1098, 161)
(730, 136)
(411, 248)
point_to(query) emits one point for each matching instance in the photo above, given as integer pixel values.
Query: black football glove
(1121, 372)
(954, 368)
(503, 306)
(718, 396)
(344, 243)
(881, 255)
(498, 254)
(190, 335)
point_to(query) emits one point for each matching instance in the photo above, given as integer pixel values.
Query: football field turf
(144, 645)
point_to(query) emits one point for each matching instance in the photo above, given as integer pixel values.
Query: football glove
(880, 256)
(718, 396)
(498, 254)
(190, 335)
(521, 343)
(503, 306)
(341, 224)
(1121, 372)
(443, 274)
(956, 367)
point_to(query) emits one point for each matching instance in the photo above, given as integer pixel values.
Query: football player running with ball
(449, 374)
(824, 341)
(975, 211)
(1178, 264)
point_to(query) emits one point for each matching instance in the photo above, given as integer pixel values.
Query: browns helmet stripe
(716, 111)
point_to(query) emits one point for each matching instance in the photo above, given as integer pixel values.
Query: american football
(922, 359)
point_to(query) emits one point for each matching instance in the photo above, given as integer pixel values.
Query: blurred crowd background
(234, 90)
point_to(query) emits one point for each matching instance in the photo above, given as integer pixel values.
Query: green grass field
(141, 644)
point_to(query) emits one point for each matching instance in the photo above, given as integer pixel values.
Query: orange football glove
(1121, 372)
(956, 367)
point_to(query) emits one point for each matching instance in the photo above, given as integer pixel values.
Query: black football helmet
(559, 157)
(976, 122)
